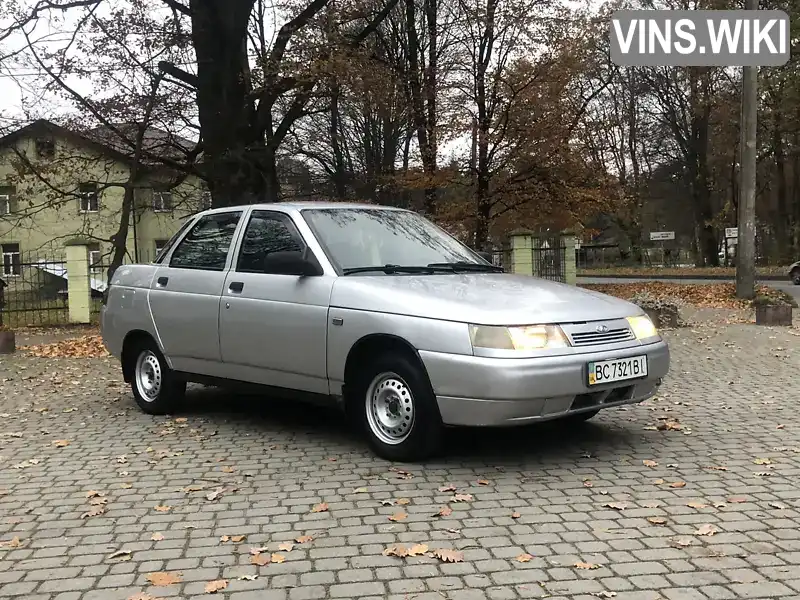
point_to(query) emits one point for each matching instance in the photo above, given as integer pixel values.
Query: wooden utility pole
(746, 248)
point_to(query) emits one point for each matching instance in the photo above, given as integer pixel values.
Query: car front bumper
(477, 391)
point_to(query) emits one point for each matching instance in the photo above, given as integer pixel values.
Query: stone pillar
(521, 254)
(78, 289)
(568, 242)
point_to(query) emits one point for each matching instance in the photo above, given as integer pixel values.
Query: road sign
(660, 236)
(731, 232)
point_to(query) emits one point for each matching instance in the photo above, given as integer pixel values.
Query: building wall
(48, 211)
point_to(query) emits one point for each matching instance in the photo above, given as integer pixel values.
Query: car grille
(592, 338)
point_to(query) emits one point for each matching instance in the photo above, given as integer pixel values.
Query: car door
(273, 327)
(185, 294)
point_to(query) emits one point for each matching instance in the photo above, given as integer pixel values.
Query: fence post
(521, 253)
(78, 289)
(570, 259)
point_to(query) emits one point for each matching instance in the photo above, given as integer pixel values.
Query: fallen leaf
(323, 507)
(14, 542)
(143, 596)
(445, 511)
(278, 558)
(657, 520)
(238, 539)
(447, 488)
(260, 550)
(125, 485)
(304, 539)
(261, 560)
(604, 594)
(587, 483)
(361, 490)
(121, 554)
(94, 494)
(181, 420)
(697, 505)
(95, 511)
(98, 501)
(523, 558)
(706, 529)
(225, 539)
(682, 542)
(286, 546)
(737, 499)
(717, 468)
(762, 461)
(248, 577)
(448, 555)
(387, 502)
(61, 443)
(212, 587)
(778, 505)
(616, 505)
(398, 516)
(157, 537)
(515, 515)
(780, 426)
(659, 482)
(228, 469)
(677, 484)
(649, 463)
(418, 549)
(483, 482)
(398, 550)
(764, 474)
(586, 565)
(403, 501)
(161, 508)
(461, 498)
(211, 496)
(163, 579)
(193, 488)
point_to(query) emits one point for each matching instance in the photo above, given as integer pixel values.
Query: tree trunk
(700, 100)
(783, 220)
(225, 106)
(339, 175)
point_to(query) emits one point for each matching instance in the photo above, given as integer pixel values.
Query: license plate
(619, 369)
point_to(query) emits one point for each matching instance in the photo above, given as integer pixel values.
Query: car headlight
(642, 327)
(531, 337)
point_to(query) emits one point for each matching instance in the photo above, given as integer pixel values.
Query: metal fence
(35, 290)
(549, 260)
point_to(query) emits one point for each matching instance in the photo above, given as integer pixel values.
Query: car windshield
(358, 238)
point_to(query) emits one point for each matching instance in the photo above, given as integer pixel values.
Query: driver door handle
(162, 281)
(236, 287)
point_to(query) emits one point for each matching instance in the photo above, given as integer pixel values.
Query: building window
(89, 198)
(45, 147)
(162, 201)
(11, 260)
(7, 200)
(95, 259)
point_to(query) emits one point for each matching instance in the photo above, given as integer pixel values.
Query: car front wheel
(155, 387)
(398, 410)
(795, 275)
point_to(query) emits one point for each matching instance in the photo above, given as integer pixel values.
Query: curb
(682, 277)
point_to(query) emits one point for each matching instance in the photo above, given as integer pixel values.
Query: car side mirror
(487, 256)
(291, 263)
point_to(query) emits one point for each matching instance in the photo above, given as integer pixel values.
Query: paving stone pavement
(729, 466)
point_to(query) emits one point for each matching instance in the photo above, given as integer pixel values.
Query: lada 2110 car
(378, 310)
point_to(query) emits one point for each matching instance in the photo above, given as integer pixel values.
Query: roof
(104, 140)
(300, 205)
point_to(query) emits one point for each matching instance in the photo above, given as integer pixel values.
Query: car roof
(300, 205)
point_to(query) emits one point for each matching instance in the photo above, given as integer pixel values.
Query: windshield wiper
(467, 266)
(390, 269)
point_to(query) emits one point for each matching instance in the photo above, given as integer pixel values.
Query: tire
(155, 387)
(795, 275)
(581, 417)
(394, 405)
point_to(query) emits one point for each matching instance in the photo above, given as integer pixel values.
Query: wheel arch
(373, 345)
(132, 339)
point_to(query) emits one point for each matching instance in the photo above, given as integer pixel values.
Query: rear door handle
(162, 281)
(236, 287)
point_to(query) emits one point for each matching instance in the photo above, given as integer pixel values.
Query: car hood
(480, 298)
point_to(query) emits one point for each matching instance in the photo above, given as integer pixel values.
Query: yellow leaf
(212, 587)
(483, 482)
(161, 508)
(278, 558)
(418, 549)
(260, 560)
(61, 443)
(677, 484)
(157, 537)
(523, 558)
(286, 546)
(515, 515)
(586, 565)
(322, 507)
(706, 529)
(163, 579)
(657, 520)
(461, 498)
(398, 516)
(403, 501)
(448, 555)
(398, 550)
(649, 463)
(303, 539)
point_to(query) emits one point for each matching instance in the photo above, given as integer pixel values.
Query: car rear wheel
(795, 275)
(155, 387)
(397, 409)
